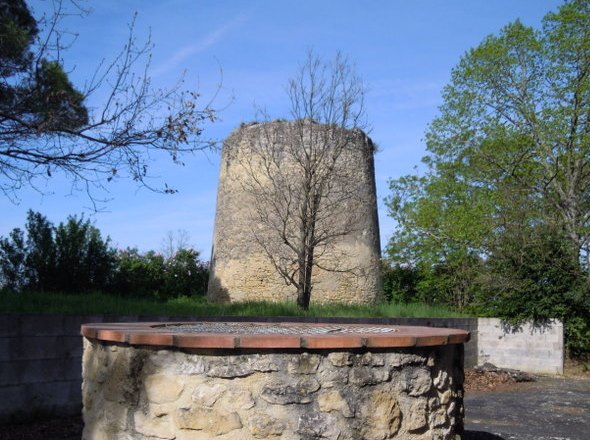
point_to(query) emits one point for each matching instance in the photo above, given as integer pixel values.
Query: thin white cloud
(199, 46)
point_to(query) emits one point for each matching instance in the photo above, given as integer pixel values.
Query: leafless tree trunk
(301, 173)
(175, 241)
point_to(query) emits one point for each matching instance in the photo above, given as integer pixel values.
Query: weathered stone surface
(262, 425)
(241, 366)
(333, 377)
(381, 415)
(150, 426)
(445, 397)
(416, 381)
(176, 362)
(207, 395)
(304, 364)
(208, 420)
(363, 376)
(340, 359)
(415, 419)
(372, 359)
(242, 269)
(161, 388)
(276, 396)
(334, 401)
(403, 359)
(279, 393)
(438, 417)
(238, 399)
(317, 426)
(122, 380)
(441, 380)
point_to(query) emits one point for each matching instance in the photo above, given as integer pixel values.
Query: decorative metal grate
(272, 329)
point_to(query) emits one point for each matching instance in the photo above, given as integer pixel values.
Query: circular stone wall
(180, 381)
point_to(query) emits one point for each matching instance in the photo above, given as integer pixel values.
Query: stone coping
(291, 336)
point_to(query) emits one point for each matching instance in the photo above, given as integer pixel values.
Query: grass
(98, 303)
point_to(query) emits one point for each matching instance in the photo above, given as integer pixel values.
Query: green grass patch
(98, 303)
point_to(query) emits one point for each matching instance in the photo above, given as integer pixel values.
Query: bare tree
(175, 241)
(46, 126)
(301, 174)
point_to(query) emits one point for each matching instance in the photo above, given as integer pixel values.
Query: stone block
(261, 425)
(382, 415)
(333, 401)
(162, 388)
(154, 427)
(207, 395)
(208, 420)
(285, 393)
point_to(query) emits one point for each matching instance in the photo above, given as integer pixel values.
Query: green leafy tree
(138, 274)
(84, 261)
(12, 260)
(507, 172)
(40, 253)
(47, 127)
(185, 274)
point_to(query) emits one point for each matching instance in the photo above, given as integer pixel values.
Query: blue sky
(403, 49)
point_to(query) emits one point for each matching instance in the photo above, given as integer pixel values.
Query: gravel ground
(496, 408)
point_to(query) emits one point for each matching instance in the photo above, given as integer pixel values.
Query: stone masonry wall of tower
(348, 269)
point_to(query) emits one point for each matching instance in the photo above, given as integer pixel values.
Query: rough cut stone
(333, 401)
(445, 397)
(340, 359)
(382, 416)
(287, 393)
(438, 418)
(416, 380)
(372, 360)
(240, 366)
(333, 377)
(161, 388)
(121, 382)
(207, 395)
(208, 420)
(238, 399)
(403, 359)
(415, 419)
(317, 426)
(150, 426)
(304, 364)
(363, 376)
(262, 425)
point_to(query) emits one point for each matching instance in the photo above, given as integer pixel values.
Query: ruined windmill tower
(274, 177)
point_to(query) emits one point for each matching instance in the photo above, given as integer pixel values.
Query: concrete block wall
(41, 355)
(534, 349)
(40, 361)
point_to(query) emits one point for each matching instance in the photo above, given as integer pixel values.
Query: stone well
(272, 381)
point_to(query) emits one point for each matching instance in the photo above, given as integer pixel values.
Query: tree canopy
(46, 125)
(506, 193)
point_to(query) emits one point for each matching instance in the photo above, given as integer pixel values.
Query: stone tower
(260, 194)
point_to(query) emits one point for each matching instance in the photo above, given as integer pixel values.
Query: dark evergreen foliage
(74, 258)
